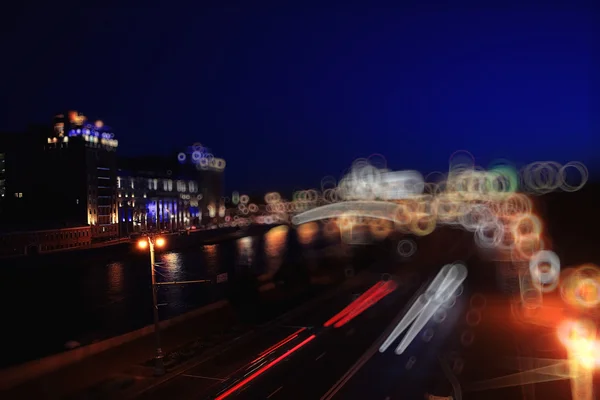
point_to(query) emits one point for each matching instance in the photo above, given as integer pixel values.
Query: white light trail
(397, 185)
(422, 310)
(370, 209)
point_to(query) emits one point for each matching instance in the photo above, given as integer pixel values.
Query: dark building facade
(60, 176)
(81, 174)
(21, 160)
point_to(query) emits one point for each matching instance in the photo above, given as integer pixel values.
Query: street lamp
(151, 242)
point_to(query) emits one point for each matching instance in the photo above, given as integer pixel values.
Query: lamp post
(150, 242)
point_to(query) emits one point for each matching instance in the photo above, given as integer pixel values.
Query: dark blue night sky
(287, 96)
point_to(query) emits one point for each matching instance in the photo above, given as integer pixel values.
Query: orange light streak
(262, 370)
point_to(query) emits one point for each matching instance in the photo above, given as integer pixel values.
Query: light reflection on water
(331, 230)
(171, 269)
(170, 266)
(275, 246)
(96, 295)
(307, 233)
(116, 281)
(207, 264)
(245, 251)
(211, 258)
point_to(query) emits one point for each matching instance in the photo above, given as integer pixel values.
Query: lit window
(181, 186)
(118, 182)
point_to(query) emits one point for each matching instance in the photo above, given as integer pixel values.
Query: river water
(51, 300)
(89, 296)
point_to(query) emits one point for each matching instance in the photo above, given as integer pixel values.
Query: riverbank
(175, 241)
(91, 296)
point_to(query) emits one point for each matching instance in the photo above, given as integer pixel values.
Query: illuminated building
(64, 176)
(168, 193)
(199, 161)
(81, 174)
(152, 198)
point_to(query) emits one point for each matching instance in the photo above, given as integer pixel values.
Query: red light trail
(263, 369)
(366, 300)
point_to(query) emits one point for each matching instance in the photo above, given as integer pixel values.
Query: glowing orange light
(588, 291)
(307, 232)
(580, 286)
(525, 225)
(160, 242)
(580, 339)
(99, 124)
(76, 118)
(142, 244)
(527, 245)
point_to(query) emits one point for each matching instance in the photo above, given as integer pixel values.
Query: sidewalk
(118, 371)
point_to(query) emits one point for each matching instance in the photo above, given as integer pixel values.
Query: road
(204, 378)
(472, 344)
(318, 366)
(469, 340)
(309, 373)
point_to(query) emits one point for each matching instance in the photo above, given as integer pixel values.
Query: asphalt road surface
(205, 378)
(472, 344)
(470, 339)
(310, 372)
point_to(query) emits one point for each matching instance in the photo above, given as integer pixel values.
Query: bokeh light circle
(546, 278)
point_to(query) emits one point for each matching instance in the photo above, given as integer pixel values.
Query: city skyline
(287, 98)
